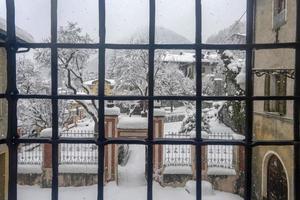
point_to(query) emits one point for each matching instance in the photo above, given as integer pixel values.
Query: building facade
(275, 22)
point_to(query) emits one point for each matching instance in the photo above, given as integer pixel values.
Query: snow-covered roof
(133, 123)
(91, 82)
(182, 57)
(20, 33)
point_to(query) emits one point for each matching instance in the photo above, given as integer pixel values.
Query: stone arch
(264, 176)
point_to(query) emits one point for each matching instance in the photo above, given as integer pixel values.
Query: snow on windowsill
(178, 170)
(220, 171)
(29, 169)
(73, 168)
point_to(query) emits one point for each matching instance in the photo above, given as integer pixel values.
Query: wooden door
(277, 180)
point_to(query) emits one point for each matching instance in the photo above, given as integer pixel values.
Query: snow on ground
(133, 173)
(132, 185)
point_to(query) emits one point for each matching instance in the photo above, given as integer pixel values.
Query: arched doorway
(277, 188)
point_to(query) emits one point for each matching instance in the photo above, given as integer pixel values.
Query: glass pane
(274, 72)
(34, 72)
(174, 172)
(78, 118)
(33, 20)
(77, 71)
(179, 11)
(174, 73)
(224, 21)
(275, 21)
(78, 21)
(223, 120)
(3, 15)
(223, 172)
(78, 167)
(273, 172)
(125, 172)
(34, 171)
(3, 118)
(174, 119)
(4, 171)
(3, 68)
(223, 72)
(273, 120)
(34, 118)
(127, 72)
(127, 21)
(126, 119)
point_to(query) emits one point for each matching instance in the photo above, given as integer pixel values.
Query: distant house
(93, 86)
(186, 62)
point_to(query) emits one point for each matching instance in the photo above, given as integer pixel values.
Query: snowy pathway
(133, 173)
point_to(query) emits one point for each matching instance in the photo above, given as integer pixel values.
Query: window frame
(12, 141)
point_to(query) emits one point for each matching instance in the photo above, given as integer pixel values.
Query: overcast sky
(124, 17)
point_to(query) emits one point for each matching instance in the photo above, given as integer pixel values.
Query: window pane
(179, 11)
(174, 172)
(127, 119)
(78, 16)
(78, 118)
(77, 71)
(34, 171)
(272, 172)
(78, 167)
(3, 67)
(224, 21)
(3, 15)
(275, 23)
(174, 119)
(223, 72)
(34, 118)
(34, 72)
(127, 21)
(127, 72)
(273, 120)
(33, 20)
(3, 118)
(223, 120)
(274, 72)
(125, 172)
(4, 171)
(223, 171)
(175, 73)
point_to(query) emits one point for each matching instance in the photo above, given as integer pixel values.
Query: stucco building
(275, 22)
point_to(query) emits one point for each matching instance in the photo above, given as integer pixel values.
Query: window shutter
(267, 92)
(282, 92)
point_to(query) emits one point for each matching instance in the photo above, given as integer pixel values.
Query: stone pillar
(111, 151)
(158, 128)
(46, 179)
(240, 158)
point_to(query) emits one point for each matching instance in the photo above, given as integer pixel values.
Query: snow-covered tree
(34, 114)
(71, 66)
(129, 68)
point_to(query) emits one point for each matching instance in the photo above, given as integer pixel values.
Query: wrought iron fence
(32, 154)
(220, 155)
(177, 155)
